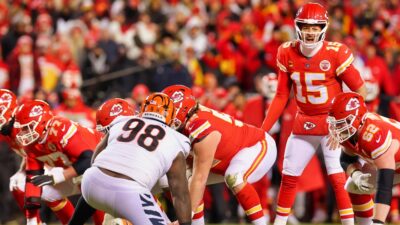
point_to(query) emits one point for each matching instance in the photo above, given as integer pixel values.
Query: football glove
(361, 180)
(42, 180)
(18, 179)
(54, 176)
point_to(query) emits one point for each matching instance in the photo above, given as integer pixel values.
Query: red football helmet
(32, 119)
(184, 103)
(8, 104)
(158, 106)
(346, 115)
(311, 14)
(110, 110)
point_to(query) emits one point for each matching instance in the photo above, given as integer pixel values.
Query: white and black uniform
(140, 148)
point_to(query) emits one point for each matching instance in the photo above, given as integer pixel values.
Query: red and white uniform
(375, 137)
(64, 142)
(315, 81)
(235, 137)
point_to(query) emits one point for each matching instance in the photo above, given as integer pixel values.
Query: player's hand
(32, 221)
(16, 180)
(361, 180)
(42, 180)
(332, 143)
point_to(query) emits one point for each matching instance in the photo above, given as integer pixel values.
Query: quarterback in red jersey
(57, 150)
(373, 138)
(221, 145)
(315, 68)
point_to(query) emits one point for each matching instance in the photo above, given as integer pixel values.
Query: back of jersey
(141, 148)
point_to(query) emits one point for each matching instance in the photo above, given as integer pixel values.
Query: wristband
(58, 175)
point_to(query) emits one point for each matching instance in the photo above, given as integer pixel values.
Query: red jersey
(64, 142)
(375, 137)
(316, 81)
(235, 135)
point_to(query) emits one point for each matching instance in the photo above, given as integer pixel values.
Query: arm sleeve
(352, 78)
(279, 102)
(346, 160)
(83, 162)
(345, 69)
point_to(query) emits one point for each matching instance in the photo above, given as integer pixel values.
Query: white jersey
(141, 148)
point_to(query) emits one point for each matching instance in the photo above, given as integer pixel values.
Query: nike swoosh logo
(377, 140)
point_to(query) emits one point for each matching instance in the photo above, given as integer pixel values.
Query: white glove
(361, 181)
(32, 221)
(57, 173)
(16, 179)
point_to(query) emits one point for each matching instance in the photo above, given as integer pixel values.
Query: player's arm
(278, 104)
(100, 147)
(386, 165)
(179, 189)
(347, 72)
(33, 193)
(204, 151)
(349, 162)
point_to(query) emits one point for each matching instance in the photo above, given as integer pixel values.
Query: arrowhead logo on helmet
(177, 96)
(352, 104)
(37, 110)
(116, 109)
(6, 97)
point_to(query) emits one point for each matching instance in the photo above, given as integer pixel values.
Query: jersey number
(314, 94)
(148, 139)
(369, 133)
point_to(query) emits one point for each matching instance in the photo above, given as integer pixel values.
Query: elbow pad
(346, 160)
(83, 162)
(385, 185)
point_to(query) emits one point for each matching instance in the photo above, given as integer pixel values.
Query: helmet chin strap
(309, 50)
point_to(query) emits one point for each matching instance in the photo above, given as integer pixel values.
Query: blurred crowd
(77, 53)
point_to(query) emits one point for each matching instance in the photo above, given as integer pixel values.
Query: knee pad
(233, 180)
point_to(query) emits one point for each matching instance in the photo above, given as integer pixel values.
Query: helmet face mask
(8, 104)
(27, 134)
(32, 120)
(3, 120)
(341, 130)
(346, 115)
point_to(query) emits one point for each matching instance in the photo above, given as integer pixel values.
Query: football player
(138, 151)
(105, 115)
(373, 138)
(315, 68)
(8, 105)
(221, 145)
(58, 151)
